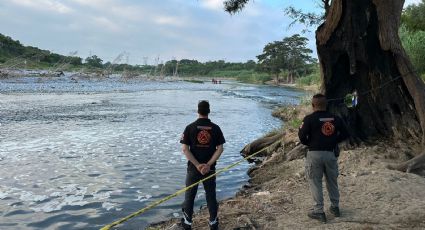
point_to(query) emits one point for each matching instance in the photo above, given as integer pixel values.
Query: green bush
(294, 123)
(414, 44)
(311, 79)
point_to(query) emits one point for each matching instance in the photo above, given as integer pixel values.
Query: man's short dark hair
(319, 101)
(204, 108)
(319, 95)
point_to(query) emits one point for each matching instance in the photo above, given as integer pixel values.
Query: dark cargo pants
(317, 164)
(194, 176)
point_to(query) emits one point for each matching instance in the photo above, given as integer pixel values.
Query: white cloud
(107, 24)
(212, 4)
(50, 5)
(181, 28)
(169, 20)
(409, 2)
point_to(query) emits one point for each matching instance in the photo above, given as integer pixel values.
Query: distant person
(202, 145)
(321, 132)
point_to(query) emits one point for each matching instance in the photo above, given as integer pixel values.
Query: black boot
(213, 224)
(317, 216)
(185, 224)
(335, 211)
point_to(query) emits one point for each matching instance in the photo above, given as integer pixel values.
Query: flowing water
(79, 155)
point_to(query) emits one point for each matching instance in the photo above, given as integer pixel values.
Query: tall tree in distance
(289, 56)
(94, 61)
(359, 50)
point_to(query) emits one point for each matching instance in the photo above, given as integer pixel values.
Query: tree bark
(359, 50)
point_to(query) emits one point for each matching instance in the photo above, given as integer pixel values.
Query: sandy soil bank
(372, 196)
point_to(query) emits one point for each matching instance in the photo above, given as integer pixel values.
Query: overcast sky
(193, 29)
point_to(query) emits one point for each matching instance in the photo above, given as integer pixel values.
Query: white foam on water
(55, 194)
(51, 206)
(155, 186)
(3, 195)
(69, 188)
(175, 214)
(143, 198)
(172, 162)
(102, 195)
(108, 206)
(29, 196)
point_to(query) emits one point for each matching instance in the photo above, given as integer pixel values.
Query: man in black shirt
(321, 132)
(202, 144)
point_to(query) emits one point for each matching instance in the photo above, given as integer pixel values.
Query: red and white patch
(204, 137)
(328, 128)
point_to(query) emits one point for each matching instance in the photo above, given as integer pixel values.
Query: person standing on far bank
(202, 144)
(321, 131)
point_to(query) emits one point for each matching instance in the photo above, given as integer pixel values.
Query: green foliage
(94, 61)
(308, 19)
(414, 44)
(285, 113)
(413, 17)
(310, 79)
(294, 123)
(290, 55)
(306, 99)
(13, 53)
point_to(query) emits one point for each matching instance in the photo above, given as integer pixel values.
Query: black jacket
(322, 131)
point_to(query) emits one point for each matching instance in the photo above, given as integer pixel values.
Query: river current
(79, 155)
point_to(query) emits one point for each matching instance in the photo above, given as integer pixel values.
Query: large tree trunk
(359, 50)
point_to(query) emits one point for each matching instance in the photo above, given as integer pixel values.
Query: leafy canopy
(413, 17)
(290, 55)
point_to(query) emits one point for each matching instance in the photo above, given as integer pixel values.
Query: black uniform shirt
(322, 131)
(202, 137)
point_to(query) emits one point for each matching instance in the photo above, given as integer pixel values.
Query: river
(81, 154)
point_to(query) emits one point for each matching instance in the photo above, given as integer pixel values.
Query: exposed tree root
(415, 165)
(257, 145)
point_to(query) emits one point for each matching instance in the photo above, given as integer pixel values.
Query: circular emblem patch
(204, 137)
(328, 128)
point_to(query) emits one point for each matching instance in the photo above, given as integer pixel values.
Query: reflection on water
(80, 156)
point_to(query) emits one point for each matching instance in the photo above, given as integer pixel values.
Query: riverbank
(277, 196)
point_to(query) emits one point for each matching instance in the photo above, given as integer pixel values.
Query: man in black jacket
(321, 131)
(202, 144)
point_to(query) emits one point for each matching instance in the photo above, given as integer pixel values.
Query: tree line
(288, 57)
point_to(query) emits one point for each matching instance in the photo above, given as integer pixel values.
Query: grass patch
(285, 113)
(311, 79)
(294, 123)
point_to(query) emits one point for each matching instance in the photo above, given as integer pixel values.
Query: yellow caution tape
(158, 202)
